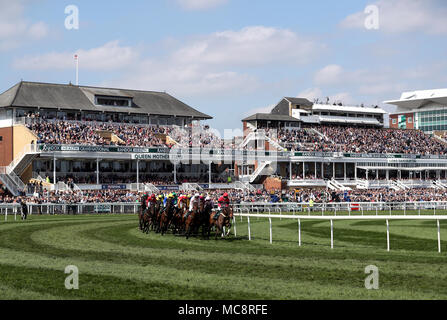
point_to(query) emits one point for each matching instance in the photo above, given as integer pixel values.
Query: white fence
(322, 209)
(275, 211)
(331, 219)
(344, 208)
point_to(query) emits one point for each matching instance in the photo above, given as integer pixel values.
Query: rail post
(249, 231)
(299, 232)
(439, 236)
(332, 234)
(234, 223)
(271, 235)
(387, 235)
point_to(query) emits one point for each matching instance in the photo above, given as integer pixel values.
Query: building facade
(425, 110)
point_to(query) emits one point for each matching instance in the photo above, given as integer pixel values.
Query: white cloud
(311, 94)
(216, 63)
(250, 46)
(15, 29)
(267, 109)
(201, 4)
(329, 75)
(317, 93)
(219, 62)
(110, 56)
(398, 16)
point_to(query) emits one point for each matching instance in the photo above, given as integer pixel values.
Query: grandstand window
(113, 101)
(410, 120)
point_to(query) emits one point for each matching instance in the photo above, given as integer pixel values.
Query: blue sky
(231, 58)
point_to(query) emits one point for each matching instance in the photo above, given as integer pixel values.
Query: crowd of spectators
(92, 133)
(237, 196)
(360, 140)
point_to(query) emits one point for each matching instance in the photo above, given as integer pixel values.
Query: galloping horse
(142, 211)
(166, 217)
(191, 220)
(223, 221)
(205, 210)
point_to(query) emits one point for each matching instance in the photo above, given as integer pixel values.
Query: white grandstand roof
(352, 120)
(418, 99)
(328, 107)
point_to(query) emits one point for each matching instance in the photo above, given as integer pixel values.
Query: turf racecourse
(117, 261)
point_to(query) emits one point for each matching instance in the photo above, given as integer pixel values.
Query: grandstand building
(340, 148)
(89, 138)
(94, 135)
(425, 110)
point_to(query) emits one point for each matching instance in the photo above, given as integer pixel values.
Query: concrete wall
(6, 142)
(273, 184)
(22, 137)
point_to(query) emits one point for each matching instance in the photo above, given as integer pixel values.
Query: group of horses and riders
(185, 215)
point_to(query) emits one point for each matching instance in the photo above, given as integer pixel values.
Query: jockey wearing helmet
(224, 201)
(194, 200)
(151, 200)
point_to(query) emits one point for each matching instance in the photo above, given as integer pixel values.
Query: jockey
(223, 201)
(208, 199)
(151, 200)
(194, 200)
(174, 199)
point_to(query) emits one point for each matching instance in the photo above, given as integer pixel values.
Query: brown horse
(142, 211)
(191, 220)
(223, 221)
(166, 217)
(205, 210)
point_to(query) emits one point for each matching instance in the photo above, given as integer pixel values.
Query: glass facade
(433, 120)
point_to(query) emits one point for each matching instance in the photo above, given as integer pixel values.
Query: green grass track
(116, 261)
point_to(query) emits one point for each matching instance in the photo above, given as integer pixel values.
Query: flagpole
(77, 69)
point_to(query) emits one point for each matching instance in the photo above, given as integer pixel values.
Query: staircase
(244, 186)
(260, 135)
(9, 175)
(340, 186)
(191, 187)
(362, 184)
(396, 186)
(13, 183)
(401, 185)
(336, 186)
(439, 185)
(261, 171)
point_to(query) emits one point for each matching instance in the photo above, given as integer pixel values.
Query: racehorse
(205, 210)
(142, 211)
(191, 220)
(166, 216)
(223, 221)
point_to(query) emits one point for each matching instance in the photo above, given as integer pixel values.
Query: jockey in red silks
(222, 202)
(151, 200)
